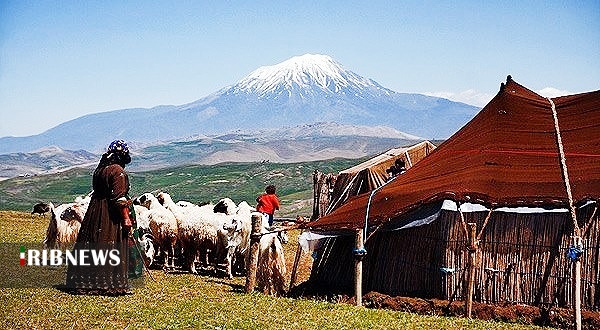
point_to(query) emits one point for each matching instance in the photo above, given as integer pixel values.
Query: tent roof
(507, 155)
(372, 173)
(387, 157)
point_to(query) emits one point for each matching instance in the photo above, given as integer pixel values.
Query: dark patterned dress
(101, 229)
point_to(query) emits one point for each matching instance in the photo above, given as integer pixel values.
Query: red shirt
(267, 203)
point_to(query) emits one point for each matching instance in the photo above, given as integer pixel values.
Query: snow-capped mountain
(303, 75)
(314, 88)
(302, 90)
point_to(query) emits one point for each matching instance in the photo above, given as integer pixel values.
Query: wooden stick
(276, 230)
(577, 289)
(358, 269)
(487, 218)
(462, 220)
(472, 249)
(587, 225)
(295, 267)
(254, 249)
(316, 193)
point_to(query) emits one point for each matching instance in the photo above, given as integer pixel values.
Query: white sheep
(163, 226)
(271, 269)
(141, 218)
(226, 206)
(65, 222)
(197, 236)
(238, 238)
(222, 216)
(218, 220)
(185, 204)
(145, 238)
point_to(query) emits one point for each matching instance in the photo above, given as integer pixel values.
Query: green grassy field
(195, 183)
(181, 300)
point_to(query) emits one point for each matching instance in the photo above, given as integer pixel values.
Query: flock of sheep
(211, 236)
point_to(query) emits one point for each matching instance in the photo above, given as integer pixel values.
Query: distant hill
(303, 143)
(43, 161)
(282, 145)
(300, 91)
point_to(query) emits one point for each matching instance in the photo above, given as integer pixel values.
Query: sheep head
(225, 205)
(233, 232)
(146, 200)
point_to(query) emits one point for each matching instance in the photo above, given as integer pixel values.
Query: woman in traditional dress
(106, 226)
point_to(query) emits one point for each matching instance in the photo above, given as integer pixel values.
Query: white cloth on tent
(310, 241)
(450, 205)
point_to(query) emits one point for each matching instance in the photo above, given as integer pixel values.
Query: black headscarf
(111, 157)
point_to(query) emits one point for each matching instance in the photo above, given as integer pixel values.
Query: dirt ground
(522, 314)
(553, 317)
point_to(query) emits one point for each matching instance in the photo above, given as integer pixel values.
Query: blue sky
(60, 60)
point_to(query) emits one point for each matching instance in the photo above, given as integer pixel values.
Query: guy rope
(577, 246)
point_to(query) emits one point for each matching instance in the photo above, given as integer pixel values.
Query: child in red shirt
(268, 203)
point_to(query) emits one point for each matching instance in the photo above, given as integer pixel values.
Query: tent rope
(563, 163)
(344, 193)
(369, 206)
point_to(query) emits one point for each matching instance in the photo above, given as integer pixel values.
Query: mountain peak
(305, 72)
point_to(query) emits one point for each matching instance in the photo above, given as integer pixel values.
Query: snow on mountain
(306, 72)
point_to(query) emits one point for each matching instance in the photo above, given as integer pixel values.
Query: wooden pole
(472, 249)
(316, 194)
(577, 288)
(358, 268)
(254, 249)
(295, 267)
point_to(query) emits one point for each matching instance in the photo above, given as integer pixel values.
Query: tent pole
(316, 194)
(358, 268)
(577, 241)
(472, 249)
(295, 267)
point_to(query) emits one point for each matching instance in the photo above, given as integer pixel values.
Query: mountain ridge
(318, 141)
(303, 90)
